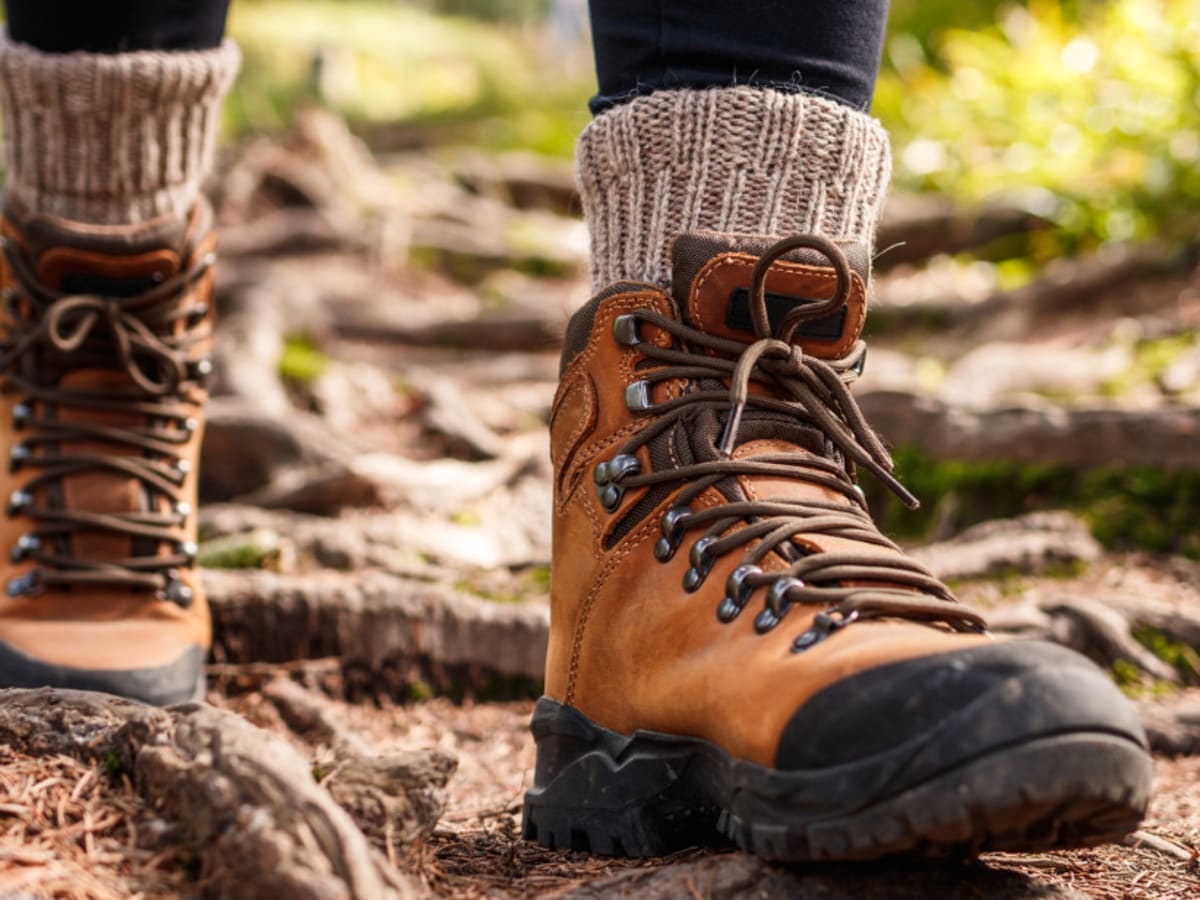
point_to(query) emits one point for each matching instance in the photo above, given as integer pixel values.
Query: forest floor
(376, 537)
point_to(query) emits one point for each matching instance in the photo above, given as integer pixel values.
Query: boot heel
(599, 791)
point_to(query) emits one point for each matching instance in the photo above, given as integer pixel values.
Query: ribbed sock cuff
(739, 159)
(111, 139)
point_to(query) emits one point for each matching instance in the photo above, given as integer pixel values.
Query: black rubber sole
(178, 681)
(650, 794)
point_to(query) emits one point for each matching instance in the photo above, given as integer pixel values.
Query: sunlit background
(1088, 113)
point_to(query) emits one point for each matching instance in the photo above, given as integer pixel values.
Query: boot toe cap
(935, 711)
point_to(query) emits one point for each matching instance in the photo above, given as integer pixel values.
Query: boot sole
(650, 794)
(178, 681)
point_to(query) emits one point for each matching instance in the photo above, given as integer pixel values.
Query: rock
(1025, 545)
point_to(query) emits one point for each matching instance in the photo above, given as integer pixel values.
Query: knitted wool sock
(737, 159)
(111, 139)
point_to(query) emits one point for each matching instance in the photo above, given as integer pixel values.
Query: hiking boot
(104, 355)
(735, 649)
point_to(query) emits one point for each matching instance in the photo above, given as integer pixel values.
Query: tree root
(242, 797)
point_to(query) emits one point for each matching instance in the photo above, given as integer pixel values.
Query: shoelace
(849, 585)
(53, 333)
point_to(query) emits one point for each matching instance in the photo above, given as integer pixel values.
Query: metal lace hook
(806, 311)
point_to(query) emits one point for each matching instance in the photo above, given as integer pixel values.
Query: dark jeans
(828, 47)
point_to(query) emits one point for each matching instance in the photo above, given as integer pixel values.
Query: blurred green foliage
(1087, 113)
(1089, 117)
(1126, 506)
(408, 76)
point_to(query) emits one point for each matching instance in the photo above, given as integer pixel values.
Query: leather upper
(99, 627)
(629, 647)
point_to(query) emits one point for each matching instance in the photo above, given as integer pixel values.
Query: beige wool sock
(111, 139)
(737, 159)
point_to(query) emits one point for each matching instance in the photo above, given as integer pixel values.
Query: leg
(734, 646)
(829, 49)
(684, 144)
(107, 259)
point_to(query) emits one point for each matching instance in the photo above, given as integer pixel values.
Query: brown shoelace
(149, 337)
(813, 393)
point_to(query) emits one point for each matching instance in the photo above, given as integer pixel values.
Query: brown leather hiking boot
(104, 342)
(734, 646)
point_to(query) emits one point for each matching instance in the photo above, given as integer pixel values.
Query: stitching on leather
(587, 415)
(585, 608)
(857, 293)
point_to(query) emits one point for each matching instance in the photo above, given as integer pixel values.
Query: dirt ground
(69, 830)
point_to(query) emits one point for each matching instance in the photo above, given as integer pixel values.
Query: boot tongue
(711, 284)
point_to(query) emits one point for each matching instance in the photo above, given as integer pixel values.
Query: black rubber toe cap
(939, 710)
(177, 681)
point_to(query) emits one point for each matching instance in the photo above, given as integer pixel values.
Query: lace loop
(773, 376)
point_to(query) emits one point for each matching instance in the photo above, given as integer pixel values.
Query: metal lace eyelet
(766, 620)
(608, 474)
(182, 466)
(625, 330)
(188, 549)
(637, 397)
(176, 591)
(611, 496)
(183, 508)
(777, 606)
(777, 596)
(27, 585)
(737, 592)
(26, 544)
(18, 502)
(823, 625)
(673, 522)
(18, 456)
(21, 414)
(190, 425)
(203, 367)
(702, 563)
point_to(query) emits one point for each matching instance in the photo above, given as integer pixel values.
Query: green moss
(317, 773)
(1126, 674)
(1178, 655)
(113, 770)
(1126, 507)
(301, 362)
(257, 549)
(420, 691)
